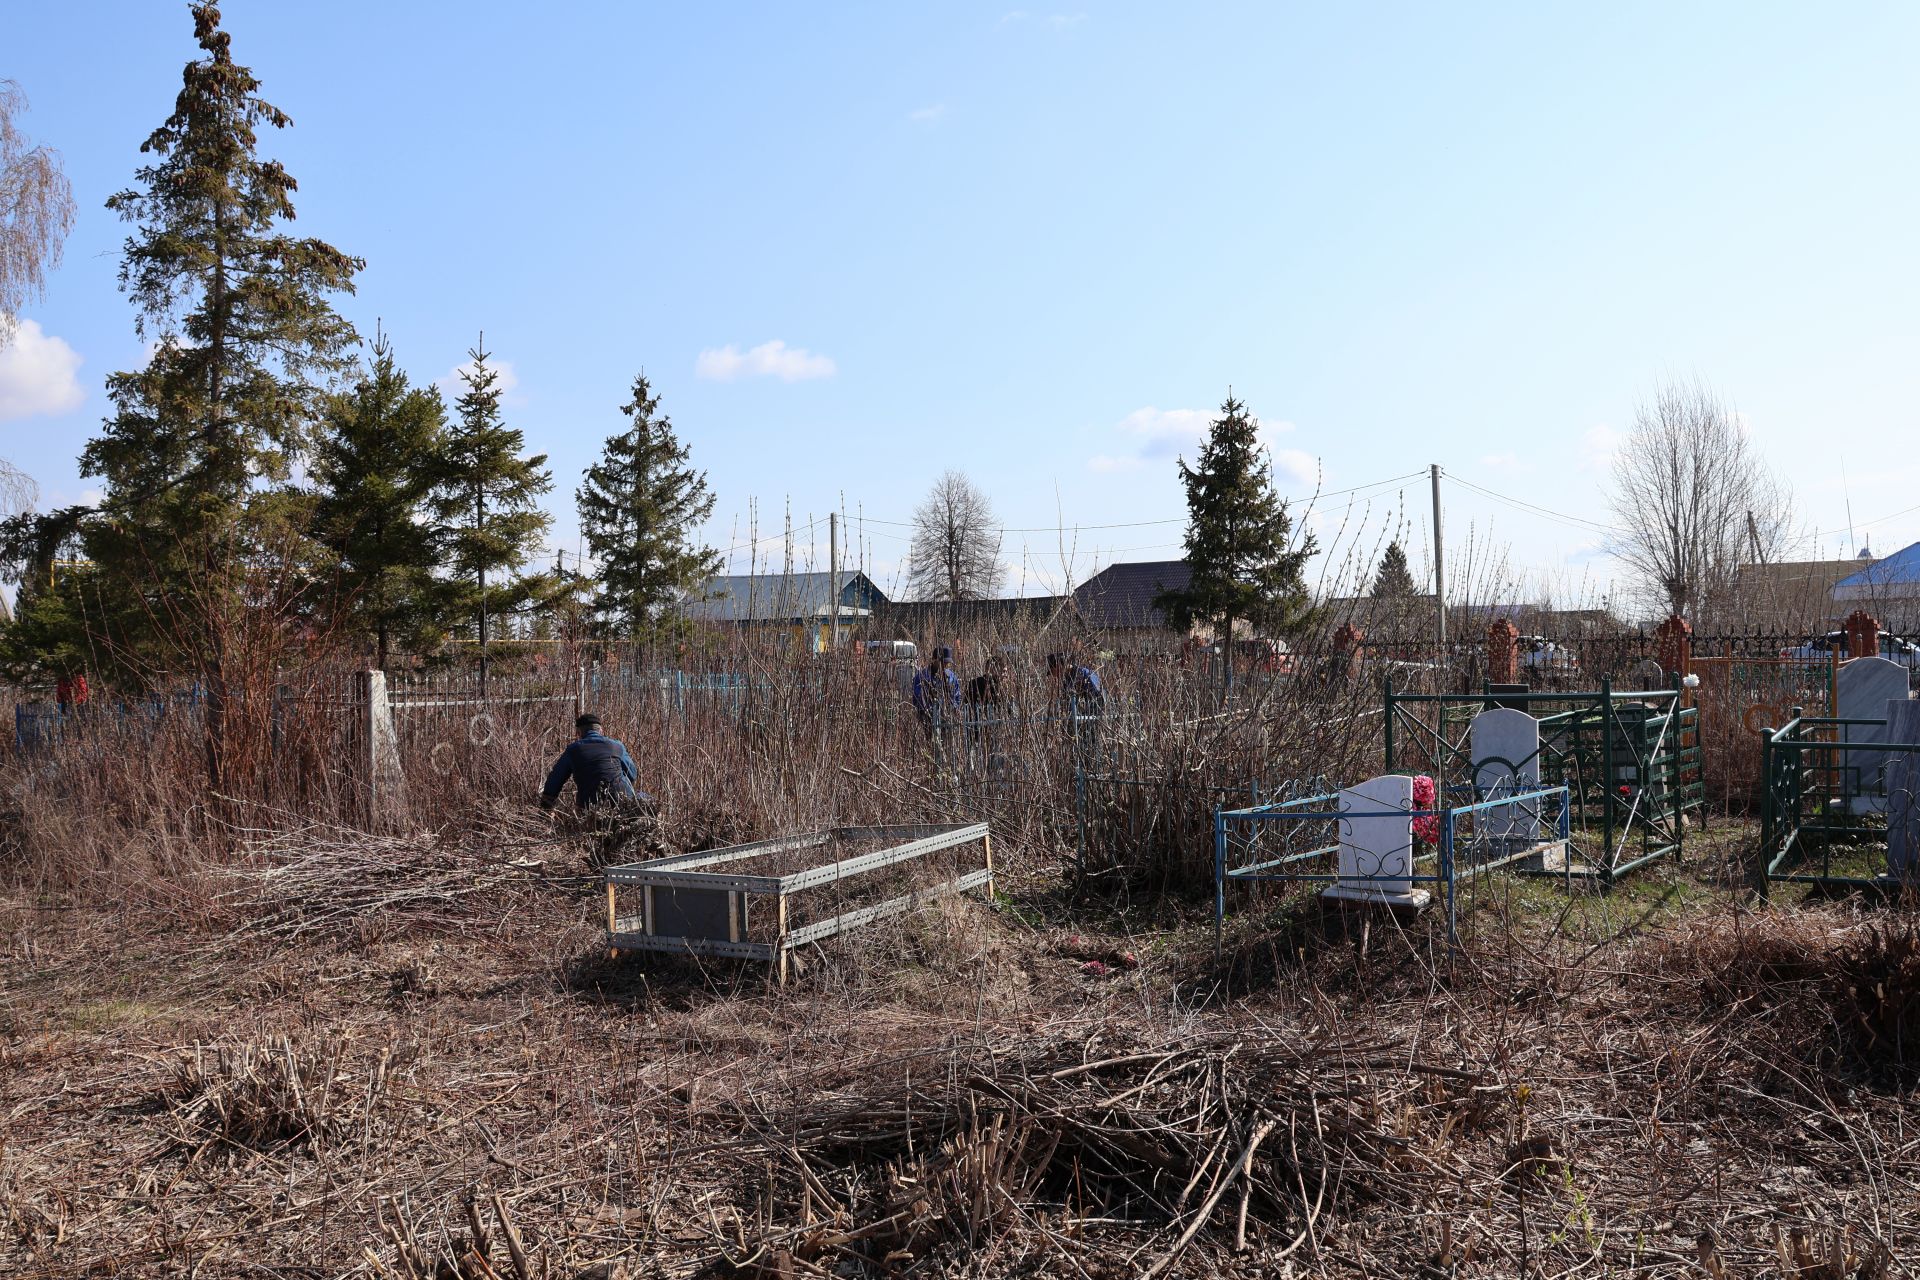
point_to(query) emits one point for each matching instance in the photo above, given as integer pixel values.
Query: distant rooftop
(780, 597)
(1121, 595)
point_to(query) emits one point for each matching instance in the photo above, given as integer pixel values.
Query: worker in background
(1080, 688)
(936, 700)
(989, 699)
(1083, 701)
(70, 693)
(600, 767)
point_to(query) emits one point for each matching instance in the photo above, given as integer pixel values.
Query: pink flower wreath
(1427, 829)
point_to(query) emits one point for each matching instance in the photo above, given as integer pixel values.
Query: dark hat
(585, 722)
(943, 654)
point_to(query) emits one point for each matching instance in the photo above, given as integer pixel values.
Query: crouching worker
(601, 769)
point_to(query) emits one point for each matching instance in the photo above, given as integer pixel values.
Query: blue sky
(856, 245)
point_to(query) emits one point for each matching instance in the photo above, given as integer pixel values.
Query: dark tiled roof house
(1120, 596)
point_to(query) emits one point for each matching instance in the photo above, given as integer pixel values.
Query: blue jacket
(1081, 687)
(927, 699)
(600, 768)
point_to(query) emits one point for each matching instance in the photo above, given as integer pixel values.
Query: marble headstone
(1376, 843)
(1903, 790)
(1504, 746)
(1864, 688)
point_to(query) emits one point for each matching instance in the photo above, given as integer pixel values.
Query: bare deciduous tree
(1685, 483)
(36, 211)
(956, 543)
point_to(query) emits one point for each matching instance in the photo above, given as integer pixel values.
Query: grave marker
(1864, 688)
(1504, 746)
(1376, 844)
(1903, 790)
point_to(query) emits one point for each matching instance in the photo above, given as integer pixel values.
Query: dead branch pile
(1232, 1135)
(330, 880)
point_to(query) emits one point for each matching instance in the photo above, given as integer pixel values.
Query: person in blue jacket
(936, 690)
(600, 767)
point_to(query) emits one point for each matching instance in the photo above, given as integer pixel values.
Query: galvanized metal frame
(691, 871)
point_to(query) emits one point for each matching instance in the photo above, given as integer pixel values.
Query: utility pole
(1439, 567)
(833, 573)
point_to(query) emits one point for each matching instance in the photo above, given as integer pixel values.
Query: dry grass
(465, 1077)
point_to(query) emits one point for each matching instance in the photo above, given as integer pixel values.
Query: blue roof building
(1894, 579)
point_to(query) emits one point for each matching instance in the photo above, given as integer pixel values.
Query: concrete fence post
(377, 751)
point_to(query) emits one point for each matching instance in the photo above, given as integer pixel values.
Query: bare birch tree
(956, 543)
(1686, 483)
(36, 212)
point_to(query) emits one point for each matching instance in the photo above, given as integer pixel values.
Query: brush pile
(328, 881)
(1226, 1137)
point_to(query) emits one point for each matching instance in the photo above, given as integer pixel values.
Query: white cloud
(768, 360)
(1162, 433)
(1504, 462)
(1597, 447)
(37, 375)
(1153, 434)
(1296, 469)
(929, 115)
(454, 384)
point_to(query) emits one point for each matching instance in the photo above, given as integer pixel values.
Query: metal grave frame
(1631, 760)
(692, 904)
(1812, 800)
(1462, 854)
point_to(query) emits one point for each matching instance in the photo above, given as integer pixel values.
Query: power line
(1907, 511)
(1545, 513)
(1144, 524)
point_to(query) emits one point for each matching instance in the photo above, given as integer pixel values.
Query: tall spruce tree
(1239, 545)
(490, 523)
(639, 506)
(1393, 580)
(202, 440)
(380, 455)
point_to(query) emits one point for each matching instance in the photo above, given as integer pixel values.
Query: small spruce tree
(639, 507)
(1240, 552)
(1393, 580)
(490, 521)
(379, 458)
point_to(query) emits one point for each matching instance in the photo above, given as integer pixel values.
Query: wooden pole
(833, 570)
(780, 941)
(1439, 568)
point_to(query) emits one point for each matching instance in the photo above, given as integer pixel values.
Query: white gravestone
(1903, 791)
(1376, 844)
(1505, 748)
(1863, 689)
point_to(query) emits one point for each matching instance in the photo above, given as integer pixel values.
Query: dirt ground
(1659, 1081)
